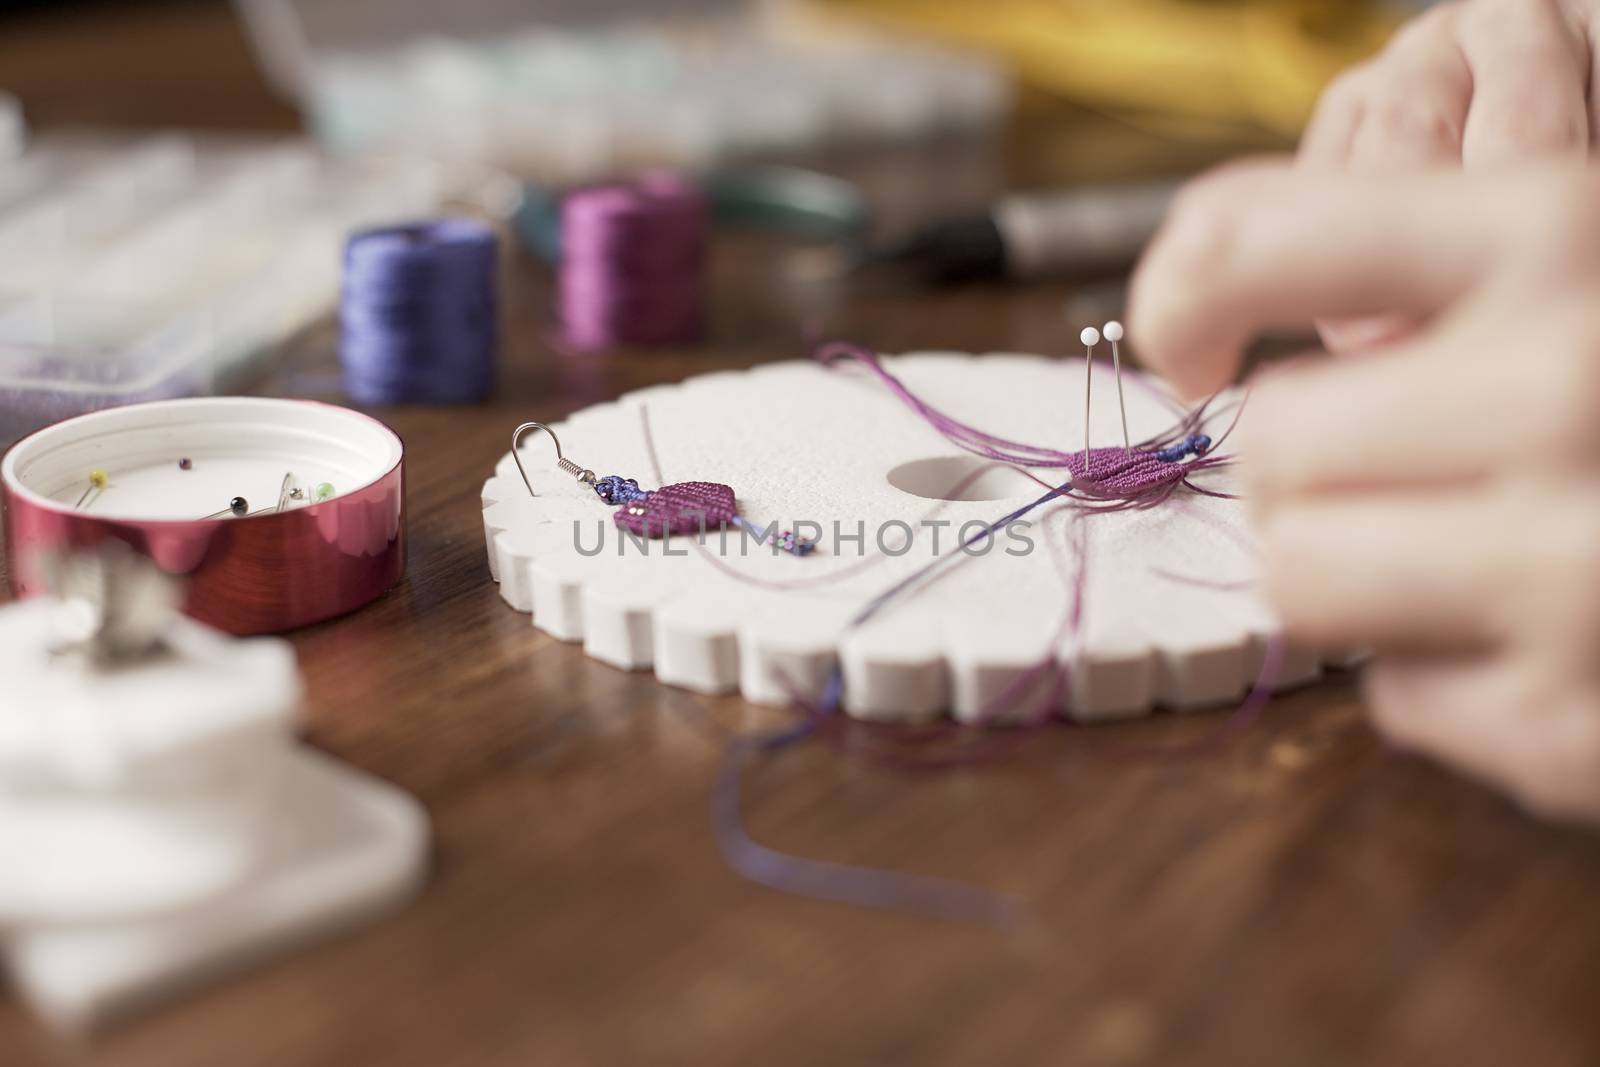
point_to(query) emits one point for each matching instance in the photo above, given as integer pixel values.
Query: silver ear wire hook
(585, 476)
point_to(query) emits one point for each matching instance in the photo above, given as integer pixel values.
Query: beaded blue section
(615, 489)
(1196, 444)
(786, 541)
(798, 546)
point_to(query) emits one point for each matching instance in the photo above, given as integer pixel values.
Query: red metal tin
(263, 574)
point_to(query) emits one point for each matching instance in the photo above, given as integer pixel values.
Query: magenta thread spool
(633, 268)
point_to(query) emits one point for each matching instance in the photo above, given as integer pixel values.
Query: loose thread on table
(864, 886)
(1085, 495)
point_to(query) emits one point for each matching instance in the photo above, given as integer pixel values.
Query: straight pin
(1090, 337)
(97, 483)
(283, 491)
(1113, 333)
(238, 507)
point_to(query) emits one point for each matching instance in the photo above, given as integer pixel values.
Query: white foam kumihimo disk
(803, 443)
(159, 820)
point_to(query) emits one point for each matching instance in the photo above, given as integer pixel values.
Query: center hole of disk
(962, 478)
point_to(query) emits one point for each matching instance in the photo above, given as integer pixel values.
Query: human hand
(1437, 499)
(1470, 83)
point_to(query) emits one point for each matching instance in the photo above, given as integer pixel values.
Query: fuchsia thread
(1143, 477)
(1103, 480)
(684, 508)
(1121, 474)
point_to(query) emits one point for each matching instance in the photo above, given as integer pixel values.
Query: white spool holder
(169, 827)
(798, 441)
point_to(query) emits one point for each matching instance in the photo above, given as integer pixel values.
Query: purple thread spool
(418, 311)
(633, 267)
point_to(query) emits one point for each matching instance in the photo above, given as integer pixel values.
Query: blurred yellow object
(1195, 65)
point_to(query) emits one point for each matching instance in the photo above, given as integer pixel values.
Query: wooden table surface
(1301, 897)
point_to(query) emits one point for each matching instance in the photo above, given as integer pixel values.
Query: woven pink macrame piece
(684, 508)
(1123, 472)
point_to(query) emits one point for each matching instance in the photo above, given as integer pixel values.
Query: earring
(682, 508)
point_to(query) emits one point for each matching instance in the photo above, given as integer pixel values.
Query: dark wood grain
(1303, 897)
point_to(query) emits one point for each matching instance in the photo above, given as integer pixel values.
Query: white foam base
(800, 442)
(347, 848)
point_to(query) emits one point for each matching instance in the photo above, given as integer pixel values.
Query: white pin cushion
(160, 822)
(140, 789)
(1171, 614)
(165, 478)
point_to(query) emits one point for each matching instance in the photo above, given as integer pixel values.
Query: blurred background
(358, 69)
(182, 174)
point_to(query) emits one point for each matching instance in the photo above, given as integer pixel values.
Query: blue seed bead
(615, 489)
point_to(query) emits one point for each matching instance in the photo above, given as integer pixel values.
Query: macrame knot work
(1116, 473)
(615, 489)
(687, 508)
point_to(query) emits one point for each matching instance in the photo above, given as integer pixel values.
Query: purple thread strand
(937, 898)
(992, 446)
(832, 577)
(1104, 480)
(787, 873)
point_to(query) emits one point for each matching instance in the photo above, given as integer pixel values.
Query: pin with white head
(1090, 337)
(1113, 333)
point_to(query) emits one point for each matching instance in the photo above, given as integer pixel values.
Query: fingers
(1587, 19)
(1468, 403)
(1530, 74)
(1411, 109)
(1485, 83)
(1331, 134)
(1408, 572)
(1511, 566)
(1514, 72)
(1501, 720)
(1406, 109)
(1371, 422)
(1458, 708)
(1262, 247)
(1361, 335)
(1417, 99)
